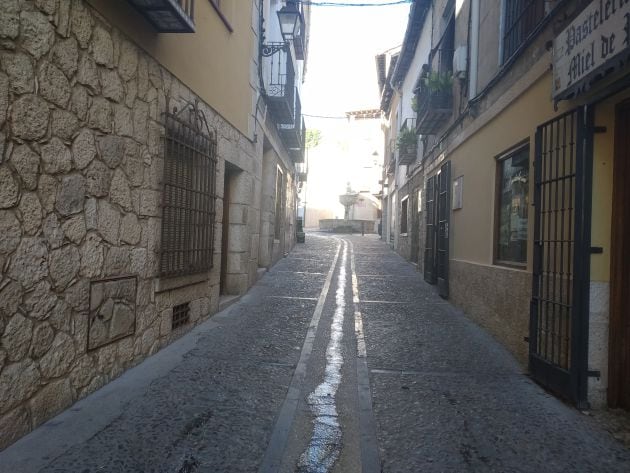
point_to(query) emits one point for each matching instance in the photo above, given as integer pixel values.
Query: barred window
(520, 18)
(189, 193)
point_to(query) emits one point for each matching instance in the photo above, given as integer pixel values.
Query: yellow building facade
(523, 119)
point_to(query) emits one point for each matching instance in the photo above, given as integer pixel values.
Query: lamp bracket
(271, 49)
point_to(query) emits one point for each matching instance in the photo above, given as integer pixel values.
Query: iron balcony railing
(280, 85)
(434, 95)
(301, 171)
(434, 109)
(168, 16)
(297, 154)
(407, 150)
(292, 134)
(408, 123)
(390, 166)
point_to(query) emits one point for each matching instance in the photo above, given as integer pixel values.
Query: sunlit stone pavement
(235, 394)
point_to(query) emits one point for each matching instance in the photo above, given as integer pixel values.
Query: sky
(341, 70)
(341, 77)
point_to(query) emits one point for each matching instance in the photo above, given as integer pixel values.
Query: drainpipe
(474, 48)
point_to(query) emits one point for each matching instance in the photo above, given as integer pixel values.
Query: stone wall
(497, 298)
(270, 248)
(80, 186)
(344, 226)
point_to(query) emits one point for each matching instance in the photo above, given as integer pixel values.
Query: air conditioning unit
(459, 62)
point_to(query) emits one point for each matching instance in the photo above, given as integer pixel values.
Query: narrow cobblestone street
(279, 382)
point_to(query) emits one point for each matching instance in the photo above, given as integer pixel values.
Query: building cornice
(417, 16)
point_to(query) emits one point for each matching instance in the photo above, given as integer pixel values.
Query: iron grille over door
(429, 246)
(562, 220)
(189, 192)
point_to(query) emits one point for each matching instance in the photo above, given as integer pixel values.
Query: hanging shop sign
(593, 42)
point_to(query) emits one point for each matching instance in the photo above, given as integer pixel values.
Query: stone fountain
(348, 200)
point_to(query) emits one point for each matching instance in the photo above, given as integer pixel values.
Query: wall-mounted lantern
(289, 18)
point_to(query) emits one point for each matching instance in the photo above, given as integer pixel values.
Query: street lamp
(289, 18)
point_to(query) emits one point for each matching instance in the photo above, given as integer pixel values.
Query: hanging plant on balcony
(407, 143)
(439, 82)
(406, 138)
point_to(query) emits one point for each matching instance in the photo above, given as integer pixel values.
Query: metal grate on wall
(188, 194)
(520, 19)
(181, 315)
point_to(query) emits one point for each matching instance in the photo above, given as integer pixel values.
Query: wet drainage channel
(278, 441)
(325, 445)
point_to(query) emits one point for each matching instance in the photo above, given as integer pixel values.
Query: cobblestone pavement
(279, 382)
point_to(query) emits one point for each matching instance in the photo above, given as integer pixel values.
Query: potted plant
(406, 143)
(406, 138)
(439, 81)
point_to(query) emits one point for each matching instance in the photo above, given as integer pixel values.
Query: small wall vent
(181, 315)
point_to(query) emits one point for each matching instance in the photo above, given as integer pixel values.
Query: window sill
(175, 282)
(511, 265)
(222, 16)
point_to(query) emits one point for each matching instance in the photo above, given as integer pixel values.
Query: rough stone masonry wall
(80, 167)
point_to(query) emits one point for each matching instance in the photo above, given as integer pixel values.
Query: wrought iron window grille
(520, 20)
(188, 193)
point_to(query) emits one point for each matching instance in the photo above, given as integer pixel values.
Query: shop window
(520, 19)
(404, 204)
(512, 207)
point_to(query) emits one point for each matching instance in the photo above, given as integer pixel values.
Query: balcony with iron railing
(168, 16)
(280, 85)
(297, 154)
(434, 95)
(408, 123)
(292, 134)
(301, 171)
(407, 142)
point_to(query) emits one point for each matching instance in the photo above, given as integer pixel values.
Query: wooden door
(619, 349)
(443, 220)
